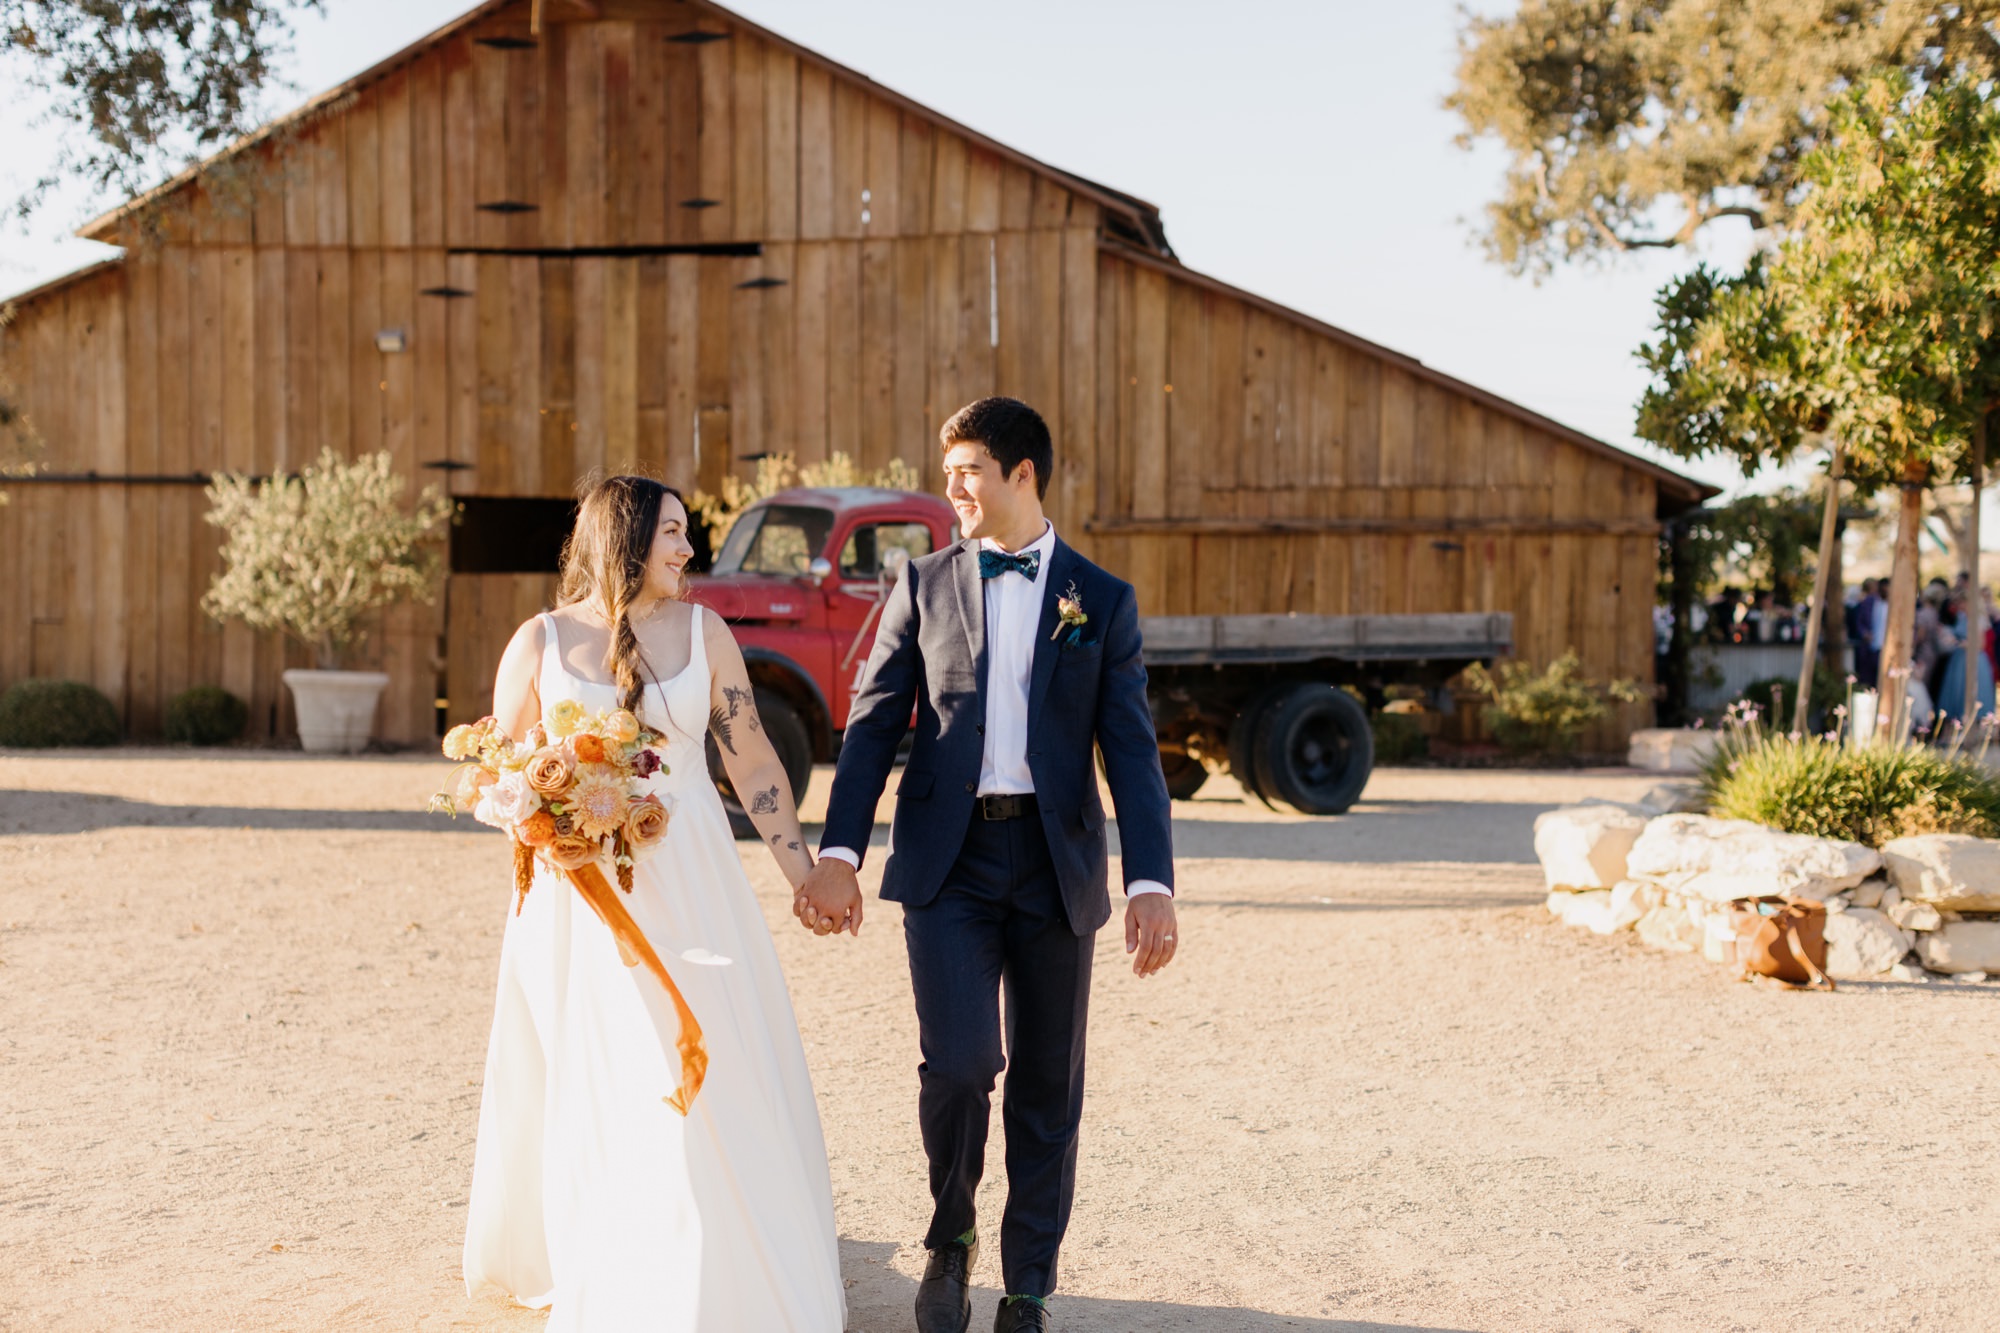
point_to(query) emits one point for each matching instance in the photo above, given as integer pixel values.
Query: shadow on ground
(880, 1299)
(59, 812)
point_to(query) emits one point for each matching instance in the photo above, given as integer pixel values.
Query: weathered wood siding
(1226, 455)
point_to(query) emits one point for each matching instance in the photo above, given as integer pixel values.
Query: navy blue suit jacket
(930, 654)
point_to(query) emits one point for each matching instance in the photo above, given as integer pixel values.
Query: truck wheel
(787, 731)
(1184, 775)
(1242, 743)
(1314, 750)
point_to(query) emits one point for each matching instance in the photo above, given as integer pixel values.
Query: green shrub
(1544, 709)
(1774, 696)
(1866, 794)
(39, 714)
(206, 715)
(1399, 737)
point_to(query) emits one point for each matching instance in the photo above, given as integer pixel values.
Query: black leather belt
(1007, 807)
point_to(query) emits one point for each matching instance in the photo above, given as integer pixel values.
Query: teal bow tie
(992, 564)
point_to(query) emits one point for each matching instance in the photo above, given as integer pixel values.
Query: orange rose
(587, 748)
(549, 772)
(537, 830)
(645, 823)
(571, 851)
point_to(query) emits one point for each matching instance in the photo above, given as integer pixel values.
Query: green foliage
(206, 715)
(1399, 737)
(143, 84)
(1768, 540)
(1633, 125)
(316, 555)
(1774, 696)
(1544, 709)
(779, 472)
(1867, 794)
(40, 714)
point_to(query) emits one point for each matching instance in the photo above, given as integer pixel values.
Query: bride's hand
(830, 899)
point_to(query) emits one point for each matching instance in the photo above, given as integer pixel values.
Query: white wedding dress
(589, 1193)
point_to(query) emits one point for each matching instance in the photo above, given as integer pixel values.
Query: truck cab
(801, 579)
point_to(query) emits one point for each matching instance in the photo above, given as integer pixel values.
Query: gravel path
(244, 1004)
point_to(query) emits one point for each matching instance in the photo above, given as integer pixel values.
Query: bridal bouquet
(573, 796)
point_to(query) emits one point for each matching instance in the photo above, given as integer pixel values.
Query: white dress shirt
(1013, 617)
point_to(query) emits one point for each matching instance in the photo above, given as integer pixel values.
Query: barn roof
(1142, 238)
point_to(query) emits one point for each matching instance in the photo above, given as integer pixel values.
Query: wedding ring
(1167, 938)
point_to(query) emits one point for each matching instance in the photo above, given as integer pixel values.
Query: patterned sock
(969, 1239)
(1036, 1299)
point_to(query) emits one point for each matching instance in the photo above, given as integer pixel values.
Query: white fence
(1739, 665)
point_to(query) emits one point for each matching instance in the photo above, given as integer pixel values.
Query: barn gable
(653, 235)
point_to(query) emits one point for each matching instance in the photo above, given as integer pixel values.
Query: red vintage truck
(1272, 699)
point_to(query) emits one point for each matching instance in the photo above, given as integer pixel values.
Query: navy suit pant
(998, 925)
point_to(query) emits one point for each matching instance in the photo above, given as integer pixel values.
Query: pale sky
(1296, 148)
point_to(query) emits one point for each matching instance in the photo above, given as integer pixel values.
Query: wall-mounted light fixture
(390, 340)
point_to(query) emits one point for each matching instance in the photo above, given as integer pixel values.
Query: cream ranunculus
(619, 727)
(458, 742)
(564, 716)
(549, 772)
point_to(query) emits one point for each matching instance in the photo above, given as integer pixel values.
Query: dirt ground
(244, 1003)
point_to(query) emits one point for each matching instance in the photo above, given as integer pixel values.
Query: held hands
(829, 901)
(1150, 931)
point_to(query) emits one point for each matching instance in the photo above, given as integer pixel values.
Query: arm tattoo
(794, 846)
(718, 722)
(765, 802)
(736, 696)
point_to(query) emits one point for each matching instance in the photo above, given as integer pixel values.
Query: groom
(1019, 657)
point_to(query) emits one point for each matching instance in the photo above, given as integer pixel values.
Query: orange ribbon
(634, 949)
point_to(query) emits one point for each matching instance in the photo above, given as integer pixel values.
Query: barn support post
(1678, 667)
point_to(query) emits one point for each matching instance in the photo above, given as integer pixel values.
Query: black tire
(788, 735)
(1184, 775)
(1313, 750)
(1242, 741)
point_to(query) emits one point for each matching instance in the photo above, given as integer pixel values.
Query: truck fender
(823, 724)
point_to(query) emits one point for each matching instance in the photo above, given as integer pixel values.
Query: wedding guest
(1951, 694)
(1863, 632)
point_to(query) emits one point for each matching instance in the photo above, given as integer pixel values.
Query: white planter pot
(336, 708)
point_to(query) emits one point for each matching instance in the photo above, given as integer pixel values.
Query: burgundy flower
(646, 763)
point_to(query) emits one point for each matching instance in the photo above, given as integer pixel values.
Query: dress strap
(698, 643)
(551, 648)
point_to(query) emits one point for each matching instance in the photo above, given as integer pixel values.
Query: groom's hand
(830, 899)
(1150, 931)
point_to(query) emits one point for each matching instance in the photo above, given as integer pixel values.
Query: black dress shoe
(944, 1297)
(1020, 1317)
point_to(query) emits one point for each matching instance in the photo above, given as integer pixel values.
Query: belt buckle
(998, 807)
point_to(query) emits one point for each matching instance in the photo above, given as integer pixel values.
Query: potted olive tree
(316, 556)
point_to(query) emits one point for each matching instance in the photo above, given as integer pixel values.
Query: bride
(589, 1192)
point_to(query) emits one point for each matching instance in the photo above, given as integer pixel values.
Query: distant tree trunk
(1898, 638)
(1822, 575)
(1975, 602)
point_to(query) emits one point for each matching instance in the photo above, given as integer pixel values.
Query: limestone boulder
(1670, 750)
(1669, 927)
(1583, 847)
(1868, 893)
(1717, 860)
(1913, 915)
(1961, 946)
(1951, 871)
(1673, 798)
(1861, 942)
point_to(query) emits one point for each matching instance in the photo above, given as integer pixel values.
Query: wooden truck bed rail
(1201, 640)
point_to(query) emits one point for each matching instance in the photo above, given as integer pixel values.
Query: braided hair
(604, 562)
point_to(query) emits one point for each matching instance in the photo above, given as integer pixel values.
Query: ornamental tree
(317, 555)
(1632, 124)
(1875, 324)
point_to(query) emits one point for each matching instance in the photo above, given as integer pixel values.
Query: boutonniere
(1069, 615)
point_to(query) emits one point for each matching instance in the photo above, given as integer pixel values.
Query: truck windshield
(779, 540)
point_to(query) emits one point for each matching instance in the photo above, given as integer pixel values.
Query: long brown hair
(604, 561)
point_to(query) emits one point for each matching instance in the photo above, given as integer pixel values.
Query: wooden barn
(648, 234)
